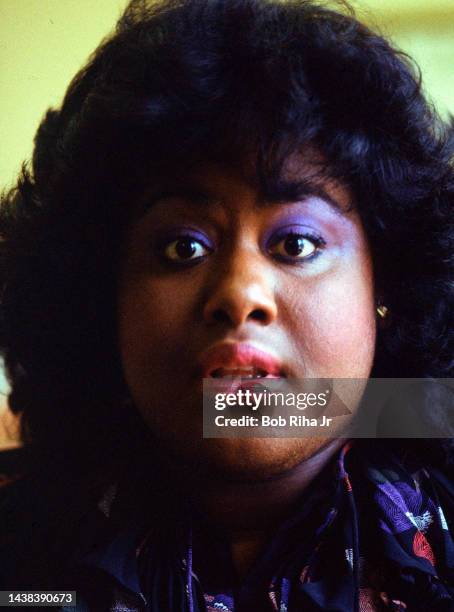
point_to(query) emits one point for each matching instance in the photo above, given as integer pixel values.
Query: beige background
(44, 42)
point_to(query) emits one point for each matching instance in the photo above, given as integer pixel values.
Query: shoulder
(41, 520)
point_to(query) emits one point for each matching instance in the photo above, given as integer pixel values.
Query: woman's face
(212, 267)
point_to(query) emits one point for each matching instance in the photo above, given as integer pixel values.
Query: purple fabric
(370, 534)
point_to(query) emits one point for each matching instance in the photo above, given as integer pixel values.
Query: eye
(295, 246)
(184, 248)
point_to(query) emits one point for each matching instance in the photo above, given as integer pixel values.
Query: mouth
(248, 373)
(230, 360)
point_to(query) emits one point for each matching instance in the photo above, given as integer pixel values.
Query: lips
(233, 360)
(252, 372)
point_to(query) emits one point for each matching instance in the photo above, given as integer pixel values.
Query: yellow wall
(425, 30)
(42, 45)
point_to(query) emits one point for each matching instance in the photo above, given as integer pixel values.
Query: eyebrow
(279, 191)
(283, 191)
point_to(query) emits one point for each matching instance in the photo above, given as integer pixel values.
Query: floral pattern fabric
(371, 534)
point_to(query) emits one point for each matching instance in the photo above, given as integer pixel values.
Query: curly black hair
(182, 81)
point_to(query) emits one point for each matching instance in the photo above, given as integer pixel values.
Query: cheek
(335, 330)
(154, 332)
(152, 310)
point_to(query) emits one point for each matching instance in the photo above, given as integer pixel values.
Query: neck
(247, 511)
(250, 511)
(251, 505)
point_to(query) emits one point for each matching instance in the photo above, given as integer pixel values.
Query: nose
(242, 291)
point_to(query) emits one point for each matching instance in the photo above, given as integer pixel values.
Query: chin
(251, 459)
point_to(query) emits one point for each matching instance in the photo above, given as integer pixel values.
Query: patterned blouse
(371, 533)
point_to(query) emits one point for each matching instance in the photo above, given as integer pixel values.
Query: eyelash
(165, 244)
(316, 240)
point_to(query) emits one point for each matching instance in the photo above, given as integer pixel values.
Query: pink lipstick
(239, 360)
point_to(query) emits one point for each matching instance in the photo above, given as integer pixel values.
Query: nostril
(259, 315)
(233, 315)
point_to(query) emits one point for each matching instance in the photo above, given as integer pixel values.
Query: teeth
(242, 372)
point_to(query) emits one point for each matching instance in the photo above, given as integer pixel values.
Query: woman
(230, 188)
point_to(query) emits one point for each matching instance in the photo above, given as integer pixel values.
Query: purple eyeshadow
(291, 225)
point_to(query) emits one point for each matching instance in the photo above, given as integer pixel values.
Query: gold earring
(382, 311)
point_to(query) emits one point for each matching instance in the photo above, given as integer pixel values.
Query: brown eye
(184, 249)
(294, 246)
